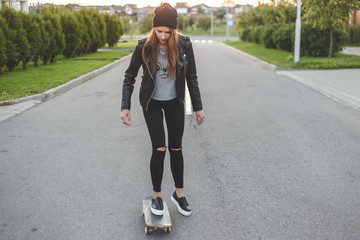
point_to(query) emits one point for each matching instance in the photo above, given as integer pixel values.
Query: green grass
(21, 83)
(122, 45)
(285, 59)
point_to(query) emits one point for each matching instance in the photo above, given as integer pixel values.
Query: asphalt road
(273, 160)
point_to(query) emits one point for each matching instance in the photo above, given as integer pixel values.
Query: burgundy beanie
(165, 15)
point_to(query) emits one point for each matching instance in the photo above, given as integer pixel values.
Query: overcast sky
(144, 3)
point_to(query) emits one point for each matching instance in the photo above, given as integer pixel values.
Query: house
(182, 8)
(73, 7)
(108, 10)
(242, 8)
(355, 18)
(18, 5)
(200, 9)
(130, 9)
(143, 11)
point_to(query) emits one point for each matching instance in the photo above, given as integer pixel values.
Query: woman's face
(163, 34)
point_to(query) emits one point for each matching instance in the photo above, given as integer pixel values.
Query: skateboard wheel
(168, 230)
(147, 230)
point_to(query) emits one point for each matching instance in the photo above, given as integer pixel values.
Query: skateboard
(154, 222)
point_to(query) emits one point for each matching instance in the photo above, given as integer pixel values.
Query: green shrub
(266, 36)
(256, 32)
(315, 42)
(3, 58)
(71, 29)
(33, 31)
(244, 33)
(44, 39)
(354, 34)
(113, 29)
(203, 22)
(84, 35)
(283, 37)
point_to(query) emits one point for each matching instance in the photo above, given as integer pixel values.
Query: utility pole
(227, 22)
(297, 33)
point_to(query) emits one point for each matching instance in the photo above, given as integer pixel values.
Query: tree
(91, 30)
(56, 37)
(204, 22)
(33, 31)
(146, 23)
(113, 29)
(3, 58)
(44, 39)
(84, 35)
(329, 15)
(17, 46)
(71, 29)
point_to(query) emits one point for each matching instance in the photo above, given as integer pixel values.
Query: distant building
(200, 9)
(143, 11)
(354, 18)
(130, 9)
(182, 8)
(242, 8)
(73, 7)
(108, 10)
(18, 5)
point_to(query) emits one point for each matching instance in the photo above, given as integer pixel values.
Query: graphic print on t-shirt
(162, 69)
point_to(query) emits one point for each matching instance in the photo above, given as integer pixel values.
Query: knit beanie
(165, 15)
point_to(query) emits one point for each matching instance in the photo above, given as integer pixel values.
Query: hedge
(314, 41)
(52, 31)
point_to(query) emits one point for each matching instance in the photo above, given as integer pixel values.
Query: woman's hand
(200, 116)
(125, 116)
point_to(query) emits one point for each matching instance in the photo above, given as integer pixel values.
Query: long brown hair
(152, 43)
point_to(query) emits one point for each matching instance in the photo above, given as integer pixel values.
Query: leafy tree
(91, 29)
(113, 29)
(125, 23)
(56, 37)
(17, 46)
(44, 39)
(204, 22)
(146, 23)
(3, 58)
(71, 30)
(33, 31)
(84, 35)
(329, 14)
(101, 28)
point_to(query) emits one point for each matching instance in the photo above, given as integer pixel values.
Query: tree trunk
(331, 42)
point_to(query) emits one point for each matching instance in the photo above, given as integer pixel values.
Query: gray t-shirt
(165, 88)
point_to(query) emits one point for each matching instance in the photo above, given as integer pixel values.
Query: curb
(332, 93)
(25, 103)
(53, 92)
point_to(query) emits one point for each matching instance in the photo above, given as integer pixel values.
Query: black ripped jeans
(174, 117)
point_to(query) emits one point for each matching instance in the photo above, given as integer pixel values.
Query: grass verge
(285, 59)
(34, 80)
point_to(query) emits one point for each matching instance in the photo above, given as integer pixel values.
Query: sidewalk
(341, 84)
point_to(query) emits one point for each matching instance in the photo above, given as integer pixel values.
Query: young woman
(167, 59)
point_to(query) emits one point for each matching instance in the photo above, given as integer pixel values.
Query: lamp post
(297, 33)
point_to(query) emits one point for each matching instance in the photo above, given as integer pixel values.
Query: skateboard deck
(154, 222)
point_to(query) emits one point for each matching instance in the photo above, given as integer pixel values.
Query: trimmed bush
(44, 39)
(266, 36)
(17, 46)
(114, 29)
(283, 37)
(71, 29)
(244, 33)
(3, 26)
(354, 34)
(33, 31)
(256, 32)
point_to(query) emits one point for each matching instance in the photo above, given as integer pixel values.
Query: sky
(143, 3)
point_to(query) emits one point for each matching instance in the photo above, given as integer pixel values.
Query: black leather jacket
(185, 68)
